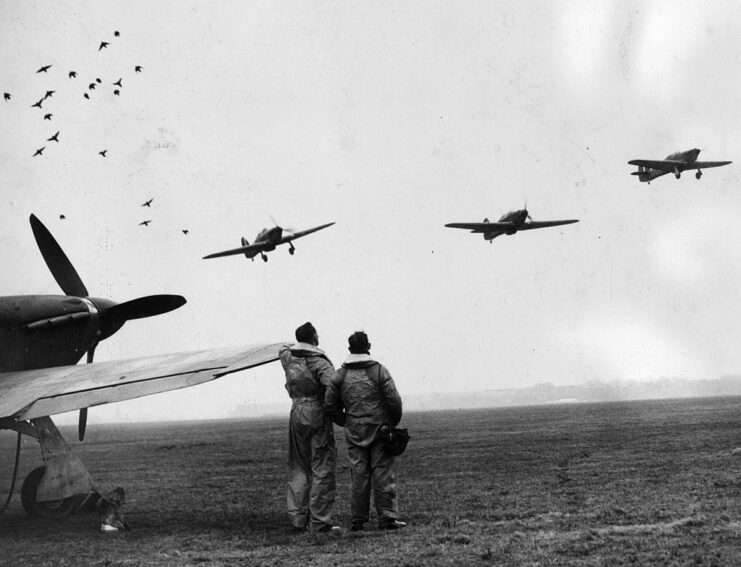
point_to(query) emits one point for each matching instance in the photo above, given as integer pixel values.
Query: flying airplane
(42, 337)
(267, 240)
(508, 223)
(676, 163)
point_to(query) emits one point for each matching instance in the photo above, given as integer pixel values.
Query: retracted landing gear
(698, 174)
(291, 249)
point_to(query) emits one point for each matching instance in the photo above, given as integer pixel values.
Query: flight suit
(312, 454)
(364, 389)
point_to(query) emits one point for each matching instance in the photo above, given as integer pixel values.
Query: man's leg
(299, 473)
(323, 486)
(383, 466)
(360, 483)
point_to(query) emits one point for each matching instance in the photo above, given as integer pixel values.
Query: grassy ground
(635, 483)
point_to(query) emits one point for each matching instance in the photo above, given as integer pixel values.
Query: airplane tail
(244, 241)
(643, 173)
(486, 220)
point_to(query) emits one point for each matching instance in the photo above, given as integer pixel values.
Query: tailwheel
(698, 174)
(53, 509)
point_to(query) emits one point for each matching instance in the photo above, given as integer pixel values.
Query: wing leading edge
(35, 393)
(300, 233)
(670, 165)
(484, 227)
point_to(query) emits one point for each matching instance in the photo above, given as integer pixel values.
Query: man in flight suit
(364, 389)
(311, 448)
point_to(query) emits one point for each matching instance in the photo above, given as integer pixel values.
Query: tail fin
(244, 241)
(486, 220)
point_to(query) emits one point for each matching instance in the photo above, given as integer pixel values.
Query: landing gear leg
(264, 257)
(698, 174)
(61, 486)
(291, 249)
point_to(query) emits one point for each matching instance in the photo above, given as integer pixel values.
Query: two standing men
(362, 396)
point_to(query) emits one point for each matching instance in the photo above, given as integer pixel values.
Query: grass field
(647, 483)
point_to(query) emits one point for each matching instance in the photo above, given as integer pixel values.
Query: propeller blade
(82, 424)
(148, 306)
(59, 265)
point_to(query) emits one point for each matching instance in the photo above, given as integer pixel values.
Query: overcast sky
(392, 119)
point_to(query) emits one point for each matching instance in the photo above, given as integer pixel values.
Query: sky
(390, 119)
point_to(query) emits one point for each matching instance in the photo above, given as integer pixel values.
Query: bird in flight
(62, 217)
(72, 74)
(118, 83)
(38, 103)
(117, 92)
(102, 45)
(48, 116)
(98, 81)
(145, 223)
(138, 68)
(103, 152)
(6, 96)
(54, 138)
(148, 203)
(116, 34)
(185, 231)
(44, 69)
(39, 151)
(91, 86)
(86, 96)
(48, 94)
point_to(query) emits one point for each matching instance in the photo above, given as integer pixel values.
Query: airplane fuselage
(517, 218)
(39, 331)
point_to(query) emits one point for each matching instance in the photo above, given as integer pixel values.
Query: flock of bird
(86, 94)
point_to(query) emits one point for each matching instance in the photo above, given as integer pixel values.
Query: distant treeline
(593, 391)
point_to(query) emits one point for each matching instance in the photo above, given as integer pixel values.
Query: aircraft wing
(706, 164)
(481, 226)
(29, 394)
(546, 224)
(662, 164)
(249, 249)
(300, 233)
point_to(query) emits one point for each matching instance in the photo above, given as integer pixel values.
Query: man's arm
(333, 405)
(322, 368)
(390, 395)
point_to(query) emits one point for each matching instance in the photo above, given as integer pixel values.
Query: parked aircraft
(267, 240)
(509, 223)
(42, 337)
(676, 163)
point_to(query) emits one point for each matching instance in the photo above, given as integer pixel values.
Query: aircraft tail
(244, 241)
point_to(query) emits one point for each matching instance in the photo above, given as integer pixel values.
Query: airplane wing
(300, 233)
(706, 164)
(249, 249)
(481, 226)
(545, 224)
(667, 165)
(29, 394)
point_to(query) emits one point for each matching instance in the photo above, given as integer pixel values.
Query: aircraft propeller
(112, 315)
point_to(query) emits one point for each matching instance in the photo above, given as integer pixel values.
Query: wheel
(264, 258)
(698, 174)
(291, 251)
(54, 509)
